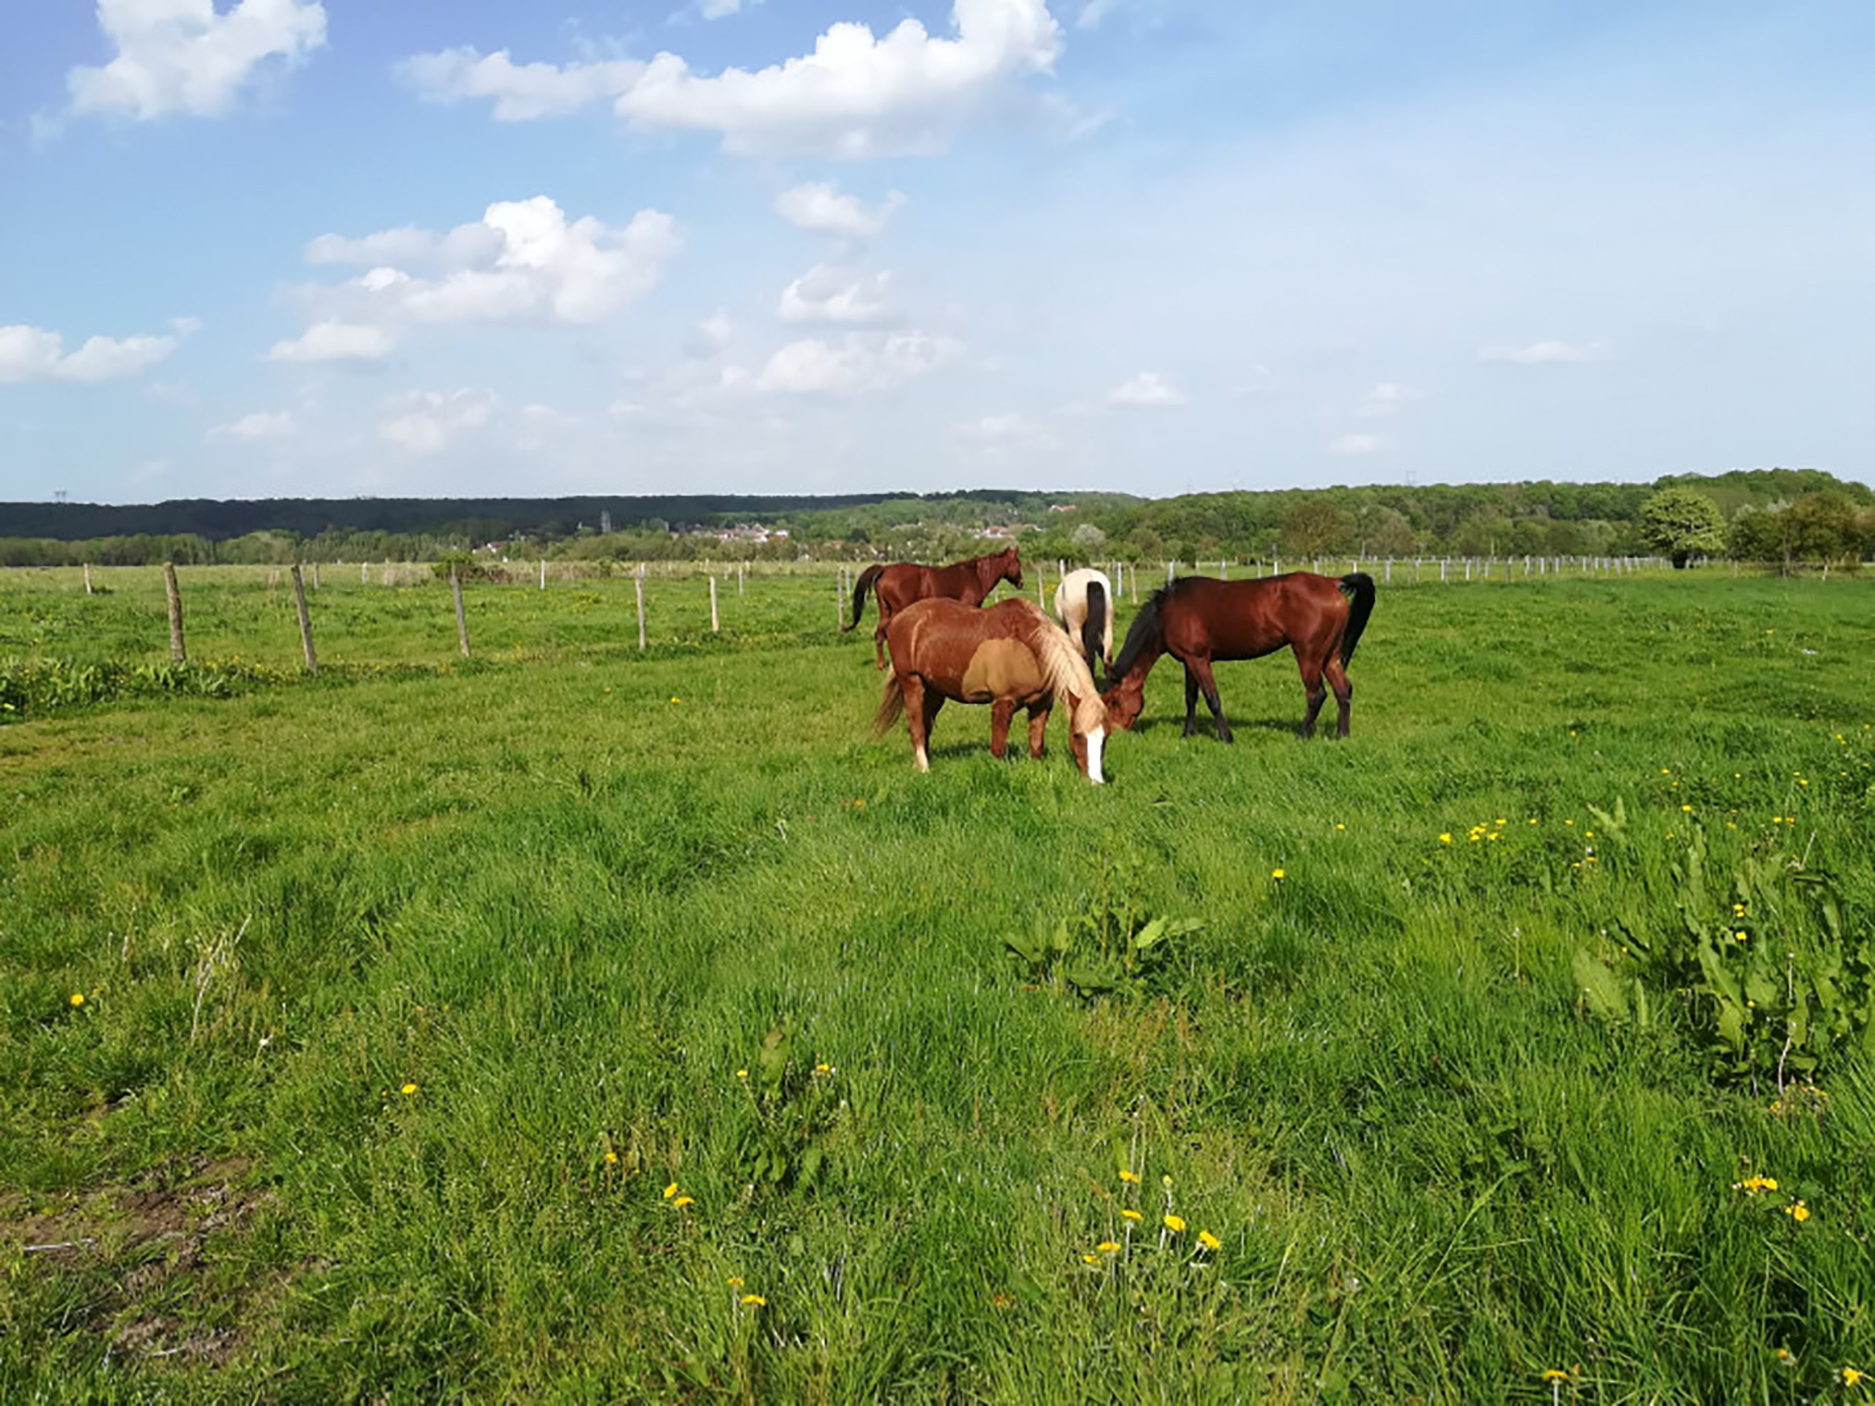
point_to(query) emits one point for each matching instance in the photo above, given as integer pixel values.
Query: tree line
(1783, 517)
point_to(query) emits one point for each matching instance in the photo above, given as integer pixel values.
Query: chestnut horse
(902, 583)
(1010, 656)
(1084, 606)
(1199, 620)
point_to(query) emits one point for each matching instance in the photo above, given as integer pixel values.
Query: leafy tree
(1683, 523)
(1316, 526)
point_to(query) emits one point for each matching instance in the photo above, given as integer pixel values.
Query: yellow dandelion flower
(1090, 1259)
(1555, 1374)
(1108, 1247)
(1501, 822)
(1445, 839)
(1133, 1177)
(742, 1073)
(754, 1301)
(1741, 935)
(78, 998)
(1175, 1224)
(1798, 1212)
(683, 1201)
(1165, 1180)
(1276, 873)
(735, 1281)
(1783, 1354)
(1340, 826)
(676, 699)
(1132, 1215)
(1851, 1377)
(408, 1090)
(611, 1157)
(670, 1191)
(1687, 809)
(823, 1068)
(1209, 1241)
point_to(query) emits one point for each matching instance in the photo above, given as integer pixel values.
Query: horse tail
(891, 705)
(1094, 627)
(860, 587)
(1359, 587)
(1147, 633)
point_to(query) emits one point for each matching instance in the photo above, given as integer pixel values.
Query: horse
(903, 582)
(1198, 620)
(1084, 606)
(1010, 656)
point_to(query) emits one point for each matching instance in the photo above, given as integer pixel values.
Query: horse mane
(1062, 666)
(1146, 633)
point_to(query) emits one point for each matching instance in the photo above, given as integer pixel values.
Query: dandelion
(408, 1090)
(1555, 1374)
(742, 1073)
(1165, 1180)
(1132, 1215)
(1751, 1186)
(1445, 839)
(823, 1068)
(1132, 1177)
(1209, 1241)
(1783, 1355)
(1688, 809)
(1090, 1259)
(1740, 935)
(1851, 1377)
(1108, 1247)
(1340, 826)
(1276, 873)
(676, 699)
(1175, 1224)
(754, 1301)
(78, 998)
(670, 1191)
(1798, 1212)
(683, 1201)
(611, 1158)
(735, 1281)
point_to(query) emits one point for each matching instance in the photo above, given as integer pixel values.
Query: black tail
(1359, 587)
(860, 587)
(1094, 627)
(1146, 633)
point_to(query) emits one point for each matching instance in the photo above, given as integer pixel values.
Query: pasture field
(586, 1025)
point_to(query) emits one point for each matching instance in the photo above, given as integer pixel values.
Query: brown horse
(1199, 620)
(1010, 656)
(902, 583)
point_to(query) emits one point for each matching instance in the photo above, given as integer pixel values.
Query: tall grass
(406, 1002)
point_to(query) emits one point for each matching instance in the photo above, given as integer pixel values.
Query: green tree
(1315, 526)
(1683, 523)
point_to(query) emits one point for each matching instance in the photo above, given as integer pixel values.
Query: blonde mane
(1063, 668)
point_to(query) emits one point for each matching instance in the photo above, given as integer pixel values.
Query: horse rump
(1358, 586)
(860, 587)
(1094, 627)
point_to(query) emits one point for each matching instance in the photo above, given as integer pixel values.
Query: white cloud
(858, 363)
(1148, 388)
(185, 56)
(434, 420)
(33, 354)
(1546, 353)
(720, 9)
(1358, 444)
(1093, 12)
(825, 294)
(332, 340)
(522, 260)
(262, 424)
(521, 92)
(711, 337)
(1383, 400)
(856, 95)
(816, 205)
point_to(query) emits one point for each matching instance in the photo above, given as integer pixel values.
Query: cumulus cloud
(857, 95)
(185, 56)
(825, 294)
(1383, 400)
(1358, 444)
(1093, 12)
(1148, 388)
(817, 206)
(857, 364)
(262, 424)
(1546, 353)
(432, 420)
(523, 260)
(332, 340)
(33, 354)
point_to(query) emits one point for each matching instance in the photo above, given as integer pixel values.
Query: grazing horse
(1010, 656)
(1198, 620)
(1084, 606)
(904, 582)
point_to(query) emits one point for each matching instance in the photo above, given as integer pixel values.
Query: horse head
(1012, 566)
(1087, 733)
(1124, 701)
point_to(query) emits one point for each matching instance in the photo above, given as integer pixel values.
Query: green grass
(568, 891)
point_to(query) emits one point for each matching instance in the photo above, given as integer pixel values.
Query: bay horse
(1198, 620)
(1010, 656)
(898, 585)
(1084, 606)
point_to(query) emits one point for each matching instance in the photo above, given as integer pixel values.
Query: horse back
(1248, 619)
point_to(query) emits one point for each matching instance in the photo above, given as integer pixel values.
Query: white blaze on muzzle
(1094, 740)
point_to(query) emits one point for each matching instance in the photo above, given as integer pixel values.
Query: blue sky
(335, 247)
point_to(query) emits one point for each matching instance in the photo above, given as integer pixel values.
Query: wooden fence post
(543, 573)
(638, 584)
(177, 651)
(87, 578)
(462, 620)
(315, 576)
(712, 605)
(305, 621)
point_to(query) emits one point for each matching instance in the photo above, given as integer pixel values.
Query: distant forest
(1503, 519)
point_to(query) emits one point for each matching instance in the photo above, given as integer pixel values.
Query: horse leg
(1038, 727)
(1000, 713)
(1202, 668)
(878, 635)
(1317, 691)
(920, 712)
(1191, 702)
(1344, 691)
